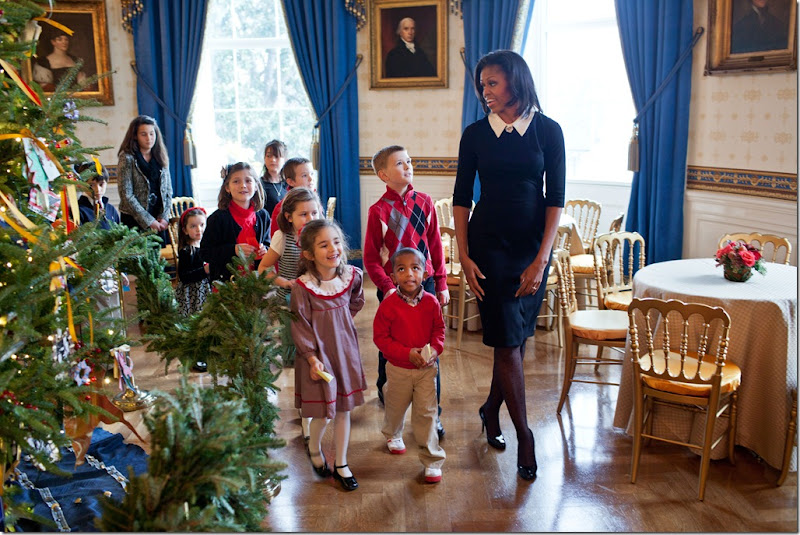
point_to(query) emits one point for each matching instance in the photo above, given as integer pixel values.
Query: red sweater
(408, 221)
(398, 327)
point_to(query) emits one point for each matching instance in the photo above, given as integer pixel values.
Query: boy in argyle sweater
(402, 217)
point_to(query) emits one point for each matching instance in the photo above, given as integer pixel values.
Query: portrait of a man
(408, 44)
(407, 58)
(759, 25)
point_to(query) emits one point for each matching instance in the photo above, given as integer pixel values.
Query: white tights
(341, 439)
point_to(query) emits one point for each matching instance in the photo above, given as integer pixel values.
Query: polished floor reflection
(583, 481)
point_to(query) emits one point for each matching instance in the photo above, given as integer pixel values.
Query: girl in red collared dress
(327, 294)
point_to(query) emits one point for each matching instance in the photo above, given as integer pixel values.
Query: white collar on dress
(410, 46)
(332, 288)
(520, 125)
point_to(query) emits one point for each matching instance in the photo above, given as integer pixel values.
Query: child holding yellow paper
(326, 295)
(409, 330)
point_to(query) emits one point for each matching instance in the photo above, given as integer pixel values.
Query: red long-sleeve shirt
(398, 327)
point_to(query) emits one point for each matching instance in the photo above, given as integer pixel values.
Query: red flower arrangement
(739, 259)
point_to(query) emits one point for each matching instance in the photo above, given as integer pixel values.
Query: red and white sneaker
(396, 446)
(433, 475)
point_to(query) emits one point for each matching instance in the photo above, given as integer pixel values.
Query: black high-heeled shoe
(528, 472)
(348, 483)
(498, 442)
(321, 471)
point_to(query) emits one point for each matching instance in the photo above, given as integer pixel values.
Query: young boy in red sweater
(402, 217)
(409, 330)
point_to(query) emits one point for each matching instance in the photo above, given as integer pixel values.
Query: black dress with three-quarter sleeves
(520, 176)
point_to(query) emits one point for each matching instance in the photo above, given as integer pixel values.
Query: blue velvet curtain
(653, 35)
(480, 38)
(167, 40)
(323, 36)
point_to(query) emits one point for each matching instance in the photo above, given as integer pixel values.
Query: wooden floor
(583, 481)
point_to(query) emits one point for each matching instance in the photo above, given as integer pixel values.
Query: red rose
(748, 258)
(725, 250)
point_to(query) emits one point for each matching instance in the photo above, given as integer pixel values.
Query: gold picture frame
(89, 42)
(393, 64)
(743, 37)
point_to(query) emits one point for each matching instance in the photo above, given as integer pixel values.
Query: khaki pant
(417, 388)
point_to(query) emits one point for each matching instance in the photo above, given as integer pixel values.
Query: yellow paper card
(325, 376)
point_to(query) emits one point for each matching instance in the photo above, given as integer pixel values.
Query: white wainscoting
(708, 215)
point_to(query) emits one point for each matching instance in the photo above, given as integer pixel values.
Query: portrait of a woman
(55, 60)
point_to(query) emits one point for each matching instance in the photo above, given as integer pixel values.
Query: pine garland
(206, 471)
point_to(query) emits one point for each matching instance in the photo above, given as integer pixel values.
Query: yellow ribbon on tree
(12, 72)
(55, 24)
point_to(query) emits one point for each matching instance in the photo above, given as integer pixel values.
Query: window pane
(584, 88)
(222, 80)
(254, 18)
(218, 20)
(258, 128)
(257, 78)
(298, 126)
(292, 88)
(225, 126)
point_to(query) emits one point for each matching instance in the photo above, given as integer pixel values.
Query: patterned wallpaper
(742, 122)
(426, 121)
(125, 108)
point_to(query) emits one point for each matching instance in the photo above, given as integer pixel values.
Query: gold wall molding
(422, 165)
(743, 181)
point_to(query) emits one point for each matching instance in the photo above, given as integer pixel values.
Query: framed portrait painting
(751, 35)
(408, 43)
(57, 51)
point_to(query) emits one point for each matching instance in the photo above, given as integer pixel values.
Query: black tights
(508, 384)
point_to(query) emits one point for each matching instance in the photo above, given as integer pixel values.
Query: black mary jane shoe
(347, 483)
(321, 471)
(498, 442)
(528, 473)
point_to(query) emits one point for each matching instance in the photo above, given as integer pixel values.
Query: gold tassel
(315, 148)
(189, 151)
(633, 150)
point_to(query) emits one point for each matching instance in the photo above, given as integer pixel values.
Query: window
(575, 56)
(249, 91)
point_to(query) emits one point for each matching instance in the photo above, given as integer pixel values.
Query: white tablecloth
(763, 343)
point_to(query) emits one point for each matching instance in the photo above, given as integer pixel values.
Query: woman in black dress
(505, 246)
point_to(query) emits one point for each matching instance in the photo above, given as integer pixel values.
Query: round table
(763, 343)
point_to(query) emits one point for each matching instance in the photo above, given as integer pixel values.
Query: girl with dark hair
(240, 224)
(145, 187)
(505, 246)
(272, 180)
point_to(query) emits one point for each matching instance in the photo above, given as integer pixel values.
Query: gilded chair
(179, 205)
(331, 208)
(780, 247)
(456, 285)
(551, 310)
(601, 328)
(444, 212)
(678, 358)
(586, 214)
(617, 257)
(791, 440)
(616, 223)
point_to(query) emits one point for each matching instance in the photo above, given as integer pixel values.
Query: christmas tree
(52, 351)
(49, 347)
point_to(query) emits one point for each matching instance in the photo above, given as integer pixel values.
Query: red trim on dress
(328, 297)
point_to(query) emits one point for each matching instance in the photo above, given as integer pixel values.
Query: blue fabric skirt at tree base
(87, 482)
